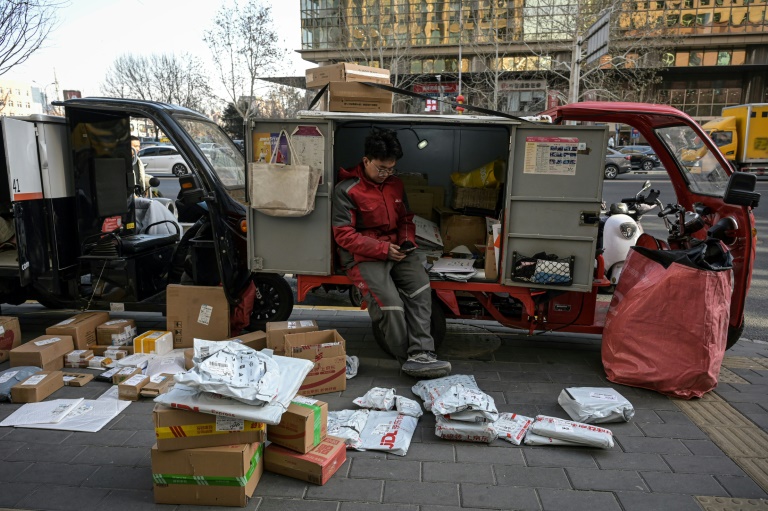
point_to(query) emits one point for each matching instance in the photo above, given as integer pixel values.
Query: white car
(162, 159)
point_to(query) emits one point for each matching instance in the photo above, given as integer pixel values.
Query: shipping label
(34, 380)
(45, 342)
(204, 318)
(228, 424)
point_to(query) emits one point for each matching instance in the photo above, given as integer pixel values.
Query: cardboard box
(303, 425)
(117, 332)
(76, 379)
(116, 353)
(277, 330)
(125, 373)
(82, 328)
(196, 311)
(327, 349)
(481, 198)
(256, 340)
(46, 352)
(158, 384)
(37, 387)
(78, 358)
(356, 97)
(491, 272)
(413, 179)
(100, 350)
(189, 354)
(458, 230)
(317, 466)
(157, 342)
(211, 476)
(423, 199)
(185, 429)
(130, 388)
(10, 336)
(345, 72)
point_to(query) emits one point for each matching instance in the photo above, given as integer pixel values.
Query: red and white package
(377, 398)
(464, 431)
(348, 424)
(578, 432)
(461, 403)
(534, 439)
(408, 407)
(388, 431)
(512, 427)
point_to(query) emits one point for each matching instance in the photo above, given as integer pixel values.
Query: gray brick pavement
(661, 459)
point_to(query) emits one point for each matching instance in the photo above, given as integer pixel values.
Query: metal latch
(589, 218)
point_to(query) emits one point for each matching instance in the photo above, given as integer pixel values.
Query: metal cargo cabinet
(554, 190)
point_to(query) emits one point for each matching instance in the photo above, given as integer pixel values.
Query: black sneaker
(425, 364)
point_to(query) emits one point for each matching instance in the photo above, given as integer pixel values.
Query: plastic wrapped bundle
(595, 405)
(577, 432)
(464, 431)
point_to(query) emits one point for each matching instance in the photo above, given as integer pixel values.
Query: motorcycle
(620, 228)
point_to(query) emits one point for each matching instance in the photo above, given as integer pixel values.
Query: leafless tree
(244, 46)
(24, 26)
(180, 80)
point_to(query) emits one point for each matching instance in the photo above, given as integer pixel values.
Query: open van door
(292, 244)
(25, 192)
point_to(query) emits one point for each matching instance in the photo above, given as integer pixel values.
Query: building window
(695, 58)
(724, 58)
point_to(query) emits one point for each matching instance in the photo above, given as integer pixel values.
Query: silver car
(616, 163)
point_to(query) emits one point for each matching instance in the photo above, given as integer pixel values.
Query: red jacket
(367, 216)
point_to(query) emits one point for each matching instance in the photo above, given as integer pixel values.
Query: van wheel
(734, 334)
(437, 328)
(273, 300)
(611, 171)
(355, 296)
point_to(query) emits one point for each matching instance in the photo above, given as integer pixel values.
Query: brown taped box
(413, 179)
(37, 387)
(345, 72)
(196, 311)
(423, 199)
(78, 358)
(356, 97)
(46, 352)
(327, 349)
(99, 349)
(303, 425)
(491, 272)
(256, 340)
(76, 379)
(317, 466)
(458, 230)
(277, 330)
(125, 373)
(114, 332)
(82, 328)
(10, 336)
(185, 429)
(179, 476)
(130, 388)
(158, 384)
(481, 198)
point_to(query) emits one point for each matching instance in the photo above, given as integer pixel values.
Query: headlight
(628, 230)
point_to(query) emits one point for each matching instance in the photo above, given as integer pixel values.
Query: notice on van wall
(550, 155)
(309, 145)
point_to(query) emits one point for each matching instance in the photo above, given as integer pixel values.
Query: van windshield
(701, 169)
(223, 155)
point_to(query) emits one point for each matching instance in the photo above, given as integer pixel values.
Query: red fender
(448, 297)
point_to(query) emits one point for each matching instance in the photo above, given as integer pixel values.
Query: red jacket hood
(356, 171)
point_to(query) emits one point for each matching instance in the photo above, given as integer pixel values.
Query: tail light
(627, 157)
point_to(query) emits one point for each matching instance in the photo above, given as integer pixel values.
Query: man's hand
(394, 253)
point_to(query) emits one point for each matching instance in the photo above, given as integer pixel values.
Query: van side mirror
(191, 192)
(740, 190)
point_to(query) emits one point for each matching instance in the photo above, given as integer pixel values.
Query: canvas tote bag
(286, 190)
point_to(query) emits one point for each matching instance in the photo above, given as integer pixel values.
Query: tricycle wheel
(734, 334)
(273, 300)
(355, 296)
(437, 328)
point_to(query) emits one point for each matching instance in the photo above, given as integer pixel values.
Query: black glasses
(383, 172)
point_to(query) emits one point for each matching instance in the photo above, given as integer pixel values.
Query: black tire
(179, 169)
(611, 171)
(648, 165)
(437, 328)
(734, 334)
(355, 296)
(274, 300)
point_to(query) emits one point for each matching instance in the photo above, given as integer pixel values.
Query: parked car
(642, 157)
(165, 163)
(616, 163)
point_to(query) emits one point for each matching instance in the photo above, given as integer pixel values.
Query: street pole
(573, 89)
(461, 32)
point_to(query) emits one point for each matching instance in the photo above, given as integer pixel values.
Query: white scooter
(620, 228)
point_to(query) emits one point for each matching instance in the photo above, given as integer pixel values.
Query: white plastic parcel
(388, 431)
(378, 398)
(595, 405)
(348, 424)
(512, 427)
(464, 431)
(428, 390)
(578, 432)
(461, 403)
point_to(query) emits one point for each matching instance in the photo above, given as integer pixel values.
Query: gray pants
(399, 301)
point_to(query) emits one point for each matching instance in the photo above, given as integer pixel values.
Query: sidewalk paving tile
(365, 468)
(703, 465)
(674, 430)
(338, 489)
(106, 456)
(360, 506)
(55, 473)
(614, 459)
(45, 452)
(531, 477)
(692, 484)
(441, 451)
(498, 497)
(63, 498)
(121, 478)
(274, 504)
(572, 500)
(605, 480)
(641, 501)
(13, 493)
(653, 445)
(558, 457)
(741, 487)
(456, 473)
(10, 470)
(703, 447)
(506, 454)
(276, 485)
(37, 436)
(132, 500)
(414, 492)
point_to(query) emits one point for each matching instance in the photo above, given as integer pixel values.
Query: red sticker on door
(111, 224)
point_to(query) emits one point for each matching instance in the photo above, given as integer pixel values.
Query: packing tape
(166, 479)
(164, 433)
(317, 416)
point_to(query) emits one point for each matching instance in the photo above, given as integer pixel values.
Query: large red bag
(667, 324)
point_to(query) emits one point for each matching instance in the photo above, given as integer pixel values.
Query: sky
(91, 34)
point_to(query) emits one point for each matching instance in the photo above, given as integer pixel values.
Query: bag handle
(291, 153)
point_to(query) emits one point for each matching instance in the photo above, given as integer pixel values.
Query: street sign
(596, 38)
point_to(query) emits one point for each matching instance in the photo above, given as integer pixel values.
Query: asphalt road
(627, 185)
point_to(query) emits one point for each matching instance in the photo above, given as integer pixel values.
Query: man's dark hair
(382, 144)
(137, 139)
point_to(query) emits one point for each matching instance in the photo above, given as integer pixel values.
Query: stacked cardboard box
(277, 330)
(317, 466)
(81, 328)
(46, 352)
(196, 312)
(10, 336)
(327, 349)
(344, 94)
(303, 425)
(37, 387)
(116, 332)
